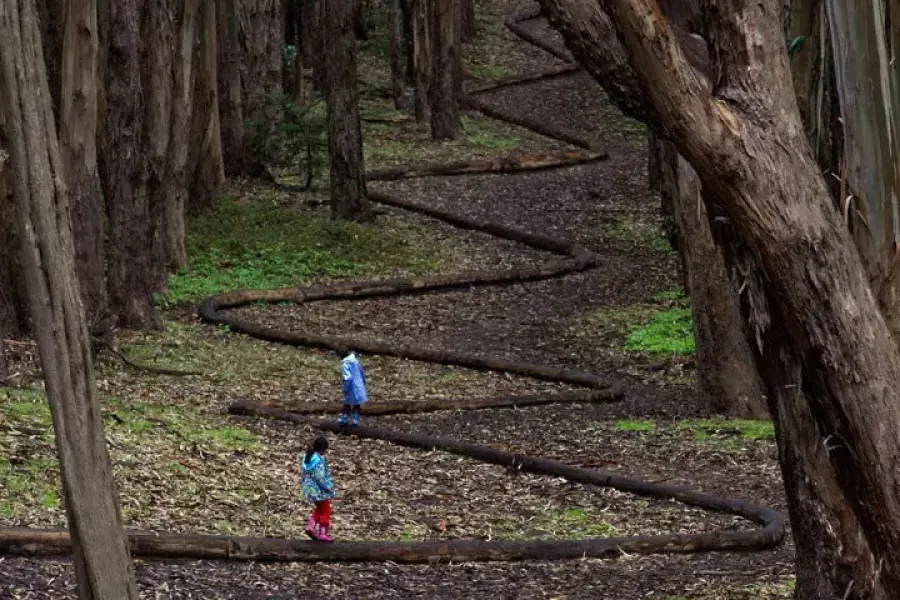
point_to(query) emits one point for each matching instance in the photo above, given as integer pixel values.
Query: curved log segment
(472, 103)
(514, 24)
(409, 407)
(498, 164)
(514, 80)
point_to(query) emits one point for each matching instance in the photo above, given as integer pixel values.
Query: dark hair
(343, 352)
(320, 445)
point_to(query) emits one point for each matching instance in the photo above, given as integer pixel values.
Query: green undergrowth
(661, 328)
(265, 240)
(726, 431)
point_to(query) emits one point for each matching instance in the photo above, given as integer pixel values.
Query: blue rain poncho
(354, 380)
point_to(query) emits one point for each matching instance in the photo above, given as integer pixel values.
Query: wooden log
(500, 164)
(35, 542)
(514, 24)
(249, 407)
(474, 103)
(210, 313)
(513, 80)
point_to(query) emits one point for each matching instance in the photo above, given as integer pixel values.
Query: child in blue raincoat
(354, 383)
(318, 489)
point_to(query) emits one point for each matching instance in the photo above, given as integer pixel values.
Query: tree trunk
(311, 39)
(406, 10)
(422, 63)
(205, 159)
(78, 147)
(158, 57)
(467, 28)
(750, 148)
(726, 371)
(175, 185)
(231, 102)
(124, 173)
(360, 27)
(14, 313)
(100, 553)
(259, 29)
(831, 549)
(446, 71)
(348, 189)
(398, 72)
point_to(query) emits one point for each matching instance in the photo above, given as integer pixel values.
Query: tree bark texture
(726, 370)
(737, 138)
(446, 57)
(231, 103)
(311, 39)
(348, 190)
(825, 532)
(467, 24)
(78, 146)
(422, 61)
(398, 68)
(206, 166)
(14, 312)
(259, 26)
(124, 172)
(100, 552)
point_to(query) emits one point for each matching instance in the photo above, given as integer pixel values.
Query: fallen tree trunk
(551, 132)
(260, 407)
(514, 24)
(36, 542)
(500, 164)
(512, 80)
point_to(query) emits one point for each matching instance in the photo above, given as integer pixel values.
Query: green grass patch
(747, 429)
(669, 332)
(636, 425)
(488, 72)
(574, 522)
(266, 241)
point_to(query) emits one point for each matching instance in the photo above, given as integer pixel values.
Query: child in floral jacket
(318, 489)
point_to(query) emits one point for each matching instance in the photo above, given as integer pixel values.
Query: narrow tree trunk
(159, 43)
(14, 313)
(99, 546)
(175, 186)
(422, 63)
(398, 73)
(467, 28)
(78, 146)
(206, 163)
(231, 102)
(446, 70)
(348, 190)
(409, 48)
(311, 39)
(726, 372)
(124, 173)
(360, 27)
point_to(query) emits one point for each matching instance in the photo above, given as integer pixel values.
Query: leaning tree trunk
(124, 172)
(78, 146)
(750, 149)
(206, 166)
(831, 549)
(725, 369)
(422, 62)
(14, 313)
(103, 565)
(444, 94)
(348, 190)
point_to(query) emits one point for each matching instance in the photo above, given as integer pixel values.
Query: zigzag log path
(37, 542)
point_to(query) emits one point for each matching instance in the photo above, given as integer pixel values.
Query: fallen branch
(143, 366)
(473, 103)
(253, 407)
(514, 80)
(503, 164)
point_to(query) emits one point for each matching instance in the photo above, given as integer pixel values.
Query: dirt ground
(541, 322)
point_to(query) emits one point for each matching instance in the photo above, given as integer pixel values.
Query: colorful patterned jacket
(317, 484)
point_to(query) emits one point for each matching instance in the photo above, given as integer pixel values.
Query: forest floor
(183, 464)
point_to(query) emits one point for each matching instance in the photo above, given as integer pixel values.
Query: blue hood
(314, 460)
